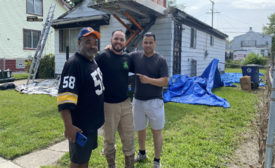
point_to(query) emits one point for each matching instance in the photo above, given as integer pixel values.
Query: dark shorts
(81, 155)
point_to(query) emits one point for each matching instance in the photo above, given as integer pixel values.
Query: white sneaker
(157, 164)
(140, 157)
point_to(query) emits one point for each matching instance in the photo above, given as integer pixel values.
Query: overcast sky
(235, 16)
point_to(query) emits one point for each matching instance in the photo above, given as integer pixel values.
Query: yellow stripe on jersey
(66, 97)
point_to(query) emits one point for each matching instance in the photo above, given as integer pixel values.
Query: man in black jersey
(80, 98)
(115, 66)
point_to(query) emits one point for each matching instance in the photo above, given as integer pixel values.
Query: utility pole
(212, 11)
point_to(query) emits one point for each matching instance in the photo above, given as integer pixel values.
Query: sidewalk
(37, 159)
(7, 164)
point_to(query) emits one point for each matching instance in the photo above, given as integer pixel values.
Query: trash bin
(253, 71)
(5, 74)
(8, 73)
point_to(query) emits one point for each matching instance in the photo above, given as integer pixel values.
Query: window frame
(32, 30)
(193, 38)
(64, 42)
(212, 40)
(42, 2)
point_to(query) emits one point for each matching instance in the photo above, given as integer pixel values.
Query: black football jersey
(81, 91)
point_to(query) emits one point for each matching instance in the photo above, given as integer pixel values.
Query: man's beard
(117, 50)
(90, 53)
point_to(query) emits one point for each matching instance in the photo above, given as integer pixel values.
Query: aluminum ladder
(41, 44)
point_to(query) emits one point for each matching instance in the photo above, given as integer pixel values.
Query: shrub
(46, 67)
(255, 59)
(233, 63)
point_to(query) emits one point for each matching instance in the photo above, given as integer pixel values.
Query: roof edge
(188, 19)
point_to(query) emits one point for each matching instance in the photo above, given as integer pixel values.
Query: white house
(188, 44)
(19, 37)
(251, 42)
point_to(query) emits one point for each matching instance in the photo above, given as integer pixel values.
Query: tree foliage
(270, 27)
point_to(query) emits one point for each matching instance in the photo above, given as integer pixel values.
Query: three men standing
(80, 97)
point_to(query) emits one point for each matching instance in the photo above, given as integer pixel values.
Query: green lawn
(239, 70)
(20, 76)
(27, 122)
(194, 135)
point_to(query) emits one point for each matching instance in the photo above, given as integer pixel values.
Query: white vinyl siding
(13, 23)
(199, 53)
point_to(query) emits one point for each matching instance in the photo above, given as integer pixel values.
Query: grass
(194, 135)
(239, 70)
(20, 76)
(27, 122)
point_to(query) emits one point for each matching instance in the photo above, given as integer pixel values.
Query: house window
(68, 38)
(211, 40)
(248, 43)
(193, 39)
(31, 38)
(35, 7)
(263, 52)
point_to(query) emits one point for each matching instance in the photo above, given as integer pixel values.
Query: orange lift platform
(141, 13)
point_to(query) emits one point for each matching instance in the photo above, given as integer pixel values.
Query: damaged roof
(81, 15)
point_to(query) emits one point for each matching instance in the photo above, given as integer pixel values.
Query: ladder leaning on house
(41, 44)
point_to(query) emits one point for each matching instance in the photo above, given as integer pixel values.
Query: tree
(270, 29)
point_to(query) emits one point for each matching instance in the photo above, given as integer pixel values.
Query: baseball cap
(86, 31)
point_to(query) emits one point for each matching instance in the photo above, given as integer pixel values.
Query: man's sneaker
(140, 157)
(157, 164)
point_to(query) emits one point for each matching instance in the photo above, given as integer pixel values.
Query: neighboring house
(19, 37)
(251, 42)
(188, 44)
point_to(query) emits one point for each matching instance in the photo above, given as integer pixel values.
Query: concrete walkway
(43, 157)
(39, 158)
(7, 164)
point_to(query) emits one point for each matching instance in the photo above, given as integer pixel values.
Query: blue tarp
(198, 89)
(230, 78)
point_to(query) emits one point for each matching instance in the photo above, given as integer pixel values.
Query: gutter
(80, 19)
